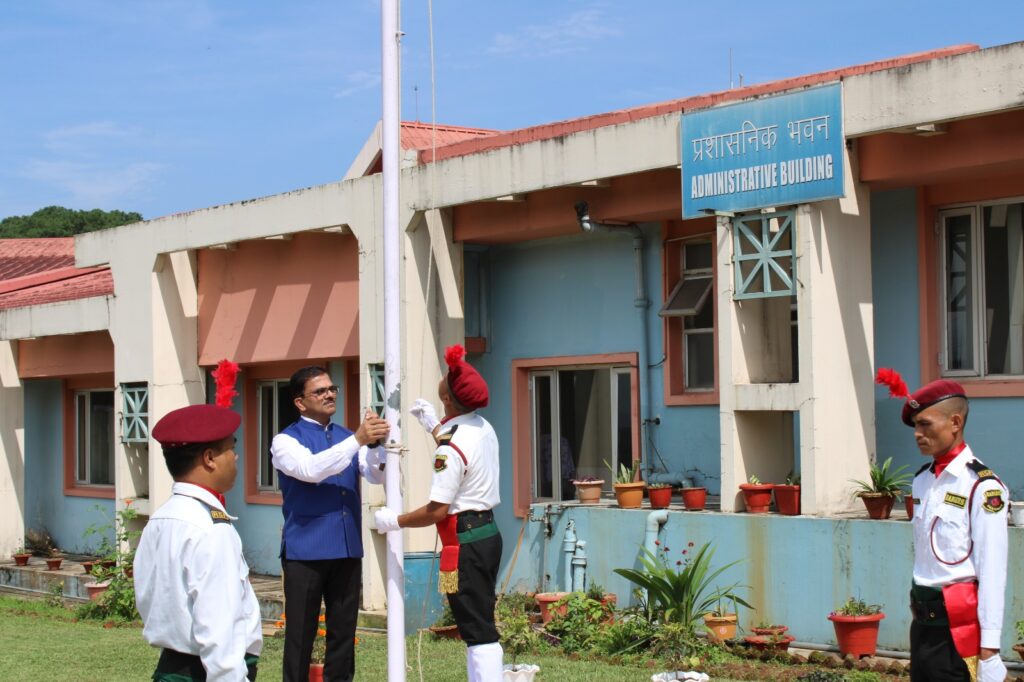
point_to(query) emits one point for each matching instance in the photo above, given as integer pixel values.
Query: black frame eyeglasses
(322, 391)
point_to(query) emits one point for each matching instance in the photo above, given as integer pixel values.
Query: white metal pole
(392, 340)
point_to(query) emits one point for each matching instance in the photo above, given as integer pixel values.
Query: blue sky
(165, 106)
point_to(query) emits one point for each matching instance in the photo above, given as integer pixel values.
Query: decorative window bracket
(135, 413)
(763, 255)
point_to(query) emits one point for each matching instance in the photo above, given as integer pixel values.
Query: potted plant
(908, 503)
(787, 496)
(21, 556)
(880, 493)
(660, 495)
(445, 626)
(546, 602)
(588, 489)
(629, 492)
(694, 499)
(721, 623)
(518, 637)
(769, 637)
(757, 496)
(676, 644)
(856, 623)
(54, 560)
(316, 660)
(766, 629)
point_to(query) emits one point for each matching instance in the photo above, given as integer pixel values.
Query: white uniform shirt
(466, 465)
(295, 459)
(192, 585)
(952, 544)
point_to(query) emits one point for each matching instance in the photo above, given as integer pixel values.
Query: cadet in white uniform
(462, 495)
(960, 546)
(191, 581)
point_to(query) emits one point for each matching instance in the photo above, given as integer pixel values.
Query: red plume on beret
(892, 379)
(225, 375)
(466, 385)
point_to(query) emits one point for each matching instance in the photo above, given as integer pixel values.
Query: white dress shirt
(952, 544)
(293, 458)
(192, 585)
(466, 466)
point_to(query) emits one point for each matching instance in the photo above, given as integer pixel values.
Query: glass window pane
(700, 360)
(584, 413)
(624, 418)
(1004, 289)
(101, 437)
(689, 297)
(959, 293)
(268, 428)
(81, 431)
(542, 436)
(696, 255)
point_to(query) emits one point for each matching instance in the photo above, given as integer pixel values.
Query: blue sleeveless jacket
(321, 520)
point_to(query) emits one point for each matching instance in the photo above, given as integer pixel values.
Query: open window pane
(688, 297)
(101, 438)
(959, 293)
(277, 410)
(542, 436)
(82, 437)
(700, 360)
(623, 418)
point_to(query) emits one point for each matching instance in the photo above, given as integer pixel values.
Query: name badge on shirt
(956, 500)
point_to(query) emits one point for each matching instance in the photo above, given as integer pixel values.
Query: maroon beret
(464, 382)
(928, 395)
(196, 424)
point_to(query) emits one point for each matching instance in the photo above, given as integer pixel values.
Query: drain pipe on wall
(655, 520)
(640, 302)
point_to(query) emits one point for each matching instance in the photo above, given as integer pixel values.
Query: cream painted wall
(12, 451)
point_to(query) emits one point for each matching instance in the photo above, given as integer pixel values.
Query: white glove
(992, 670)
(386, 520)
(375, 457)
(424, 412)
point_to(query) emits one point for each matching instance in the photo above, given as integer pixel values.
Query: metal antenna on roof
(416, 97)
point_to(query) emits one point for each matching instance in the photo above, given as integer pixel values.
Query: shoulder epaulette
(983, 471)
(218, 516)
(922, 469)
(446, 437)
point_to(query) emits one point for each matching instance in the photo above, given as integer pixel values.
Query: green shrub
(629, 634)
(857, 607)
(579, 626)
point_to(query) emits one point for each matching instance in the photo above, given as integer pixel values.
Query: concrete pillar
(12, 451)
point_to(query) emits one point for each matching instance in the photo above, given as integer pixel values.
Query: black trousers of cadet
(337, 582)
(473, 604)
(933, 656)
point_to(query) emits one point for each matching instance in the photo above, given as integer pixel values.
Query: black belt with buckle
(468, 520)
(928, 606)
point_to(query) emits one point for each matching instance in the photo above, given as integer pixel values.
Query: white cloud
(82, 137)
(93, 184)
(359, 81)
(574, 33)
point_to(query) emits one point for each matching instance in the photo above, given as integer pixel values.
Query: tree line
(57, 221)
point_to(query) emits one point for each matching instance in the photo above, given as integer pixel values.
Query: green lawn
(42, 642)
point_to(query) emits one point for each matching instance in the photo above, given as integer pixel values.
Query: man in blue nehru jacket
(319, 465)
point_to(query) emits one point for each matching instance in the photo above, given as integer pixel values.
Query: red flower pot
(757, 497)
(694, 499)
(660, 498)
(787, 499)
(879, 505)
(53, 564)
(21, 559)
(545, 600)
(588, 492)
(87, 566)
(316, 672)
(908, 502)
(857, 635)
(446, 631)
(769, 643)
(94, 590)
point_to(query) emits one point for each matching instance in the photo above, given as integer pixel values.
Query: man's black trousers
(473, 604)
(933, 656)
(337, 582)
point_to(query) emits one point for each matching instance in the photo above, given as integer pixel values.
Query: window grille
(763, 255)
(135, 413)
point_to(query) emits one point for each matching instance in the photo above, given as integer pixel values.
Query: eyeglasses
(322, 391)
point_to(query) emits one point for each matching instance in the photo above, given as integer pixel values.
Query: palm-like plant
(685, 593)
(884, 480)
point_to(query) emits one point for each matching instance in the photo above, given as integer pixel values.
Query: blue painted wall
(574, 296)
(797, 568)
(46, 506)
(995, 429)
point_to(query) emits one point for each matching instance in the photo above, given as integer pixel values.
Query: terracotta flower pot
(21, 559)
(857, 635)
(1019, 648)
(787, 499)
(54, 564)
(769, 631)
(545, 600)
(316, 672)
(630, 495)
(94, 590)
(87, 566)
(108, 563)
(879, 505)
(768, 643)
(446, 631)
(660, 498)
(694, 499)
(757, 497)
(908, 503)
(588, 492)
(720, 628)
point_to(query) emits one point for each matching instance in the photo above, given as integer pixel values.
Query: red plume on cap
(453, 354)
(892, 379)
(225, 376)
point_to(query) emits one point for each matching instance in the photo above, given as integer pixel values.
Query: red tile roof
(419, 135)
(552, 130)
(37, 271)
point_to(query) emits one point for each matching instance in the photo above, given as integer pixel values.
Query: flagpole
(390, 142)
